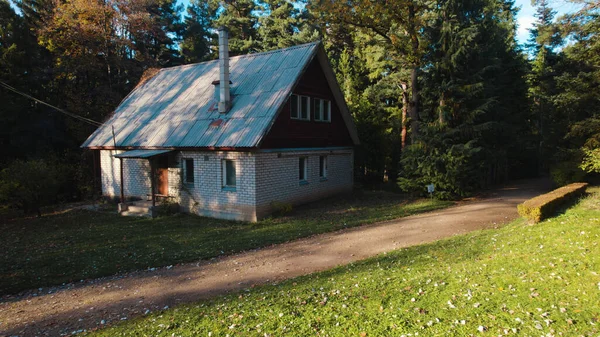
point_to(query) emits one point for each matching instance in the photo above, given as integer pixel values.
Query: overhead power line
(72, 115)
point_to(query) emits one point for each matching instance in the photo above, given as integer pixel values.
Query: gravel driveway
(94, 303)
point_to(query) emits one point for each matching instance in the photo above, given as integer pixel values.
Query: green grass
(73, 245)
(520, 280)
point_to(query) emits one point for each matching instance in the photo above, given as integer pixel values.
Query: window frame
(185, 171)
(324, 107)
(323, 167)
(224, 170)
(299, 106)
(303, 170)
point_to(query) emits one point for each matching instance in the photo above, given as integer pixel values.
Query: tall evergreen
(576, 96)
(543, 42)
(469, 127)
(198, 36)
(239, 17)
(154, 29)
(283, 24)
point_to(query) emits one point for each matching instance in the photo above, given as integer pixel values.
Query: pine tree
(240, 19)
(400, 26)
(469, 127)
(198, 37)
(543, 41)
(283, 24)
(154, 29)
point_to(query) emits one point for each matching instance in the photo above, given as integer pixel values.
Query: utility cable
(72, 115)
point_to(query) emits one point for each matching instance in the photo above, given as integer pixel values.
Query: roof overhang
(144, 154)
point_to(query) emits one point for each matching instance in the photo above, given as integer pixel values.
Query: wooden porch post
(122, 186)
(152, 182)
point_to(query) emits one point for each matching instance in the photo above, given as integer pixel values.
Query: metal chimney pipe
(225, 97)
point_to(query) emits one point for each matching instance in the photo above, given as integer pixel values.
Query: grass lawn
(73, 245)
(520, 280)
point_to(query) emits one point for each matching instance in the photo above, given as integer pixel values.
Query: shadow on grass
(79, 244)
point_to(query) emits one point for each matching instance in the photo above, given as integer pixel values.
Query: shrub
(591, 160)
(567, 172)
(543, 206)
(455, 170)
(29, 185)
(281, 208)
(166, 208)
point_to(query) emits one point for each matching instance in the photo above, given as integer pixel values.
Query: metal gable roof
(176, 107)
(141, 153)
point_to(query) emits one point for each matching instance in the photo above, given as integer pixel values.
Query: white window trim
(224, 175)
(184, 171)
(299, 108)
(324, 176)
(305, 180)
(324, 103)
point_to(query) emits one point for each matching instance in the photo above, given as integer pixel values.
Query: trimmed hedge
(543, 206)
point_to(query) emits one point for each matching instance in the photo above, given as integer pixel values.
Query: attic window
(300, 107)
(322, 110)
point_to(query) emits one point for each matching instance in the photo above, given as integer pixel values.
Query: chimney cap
(217, 82)
(223, 28)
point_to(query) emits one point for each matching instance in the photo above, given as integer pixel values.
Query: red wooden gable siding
(291, 133)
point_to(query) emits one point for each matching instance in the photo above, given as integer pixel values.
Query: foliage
(543, 42)
(29, 185)
(197, 36)
(281, 208)
(75, 244)
(166, 207)
(454, 169)
(518, 280)
(238, 16)
(283, 24)
(566, 172)
(545, 205)
(591, 161)
(577, 97)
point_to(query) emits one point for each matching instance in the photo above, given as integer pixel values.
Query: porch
(158, 166)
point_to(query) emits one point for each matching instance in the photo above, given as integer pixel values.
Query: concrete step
(138, 208)
(137, 213)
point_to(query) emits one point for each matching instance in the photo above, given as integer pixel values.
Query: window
(188, 171)
(300, 107)
(294, 106)
(302, 169)
(323, 167)
(322, 110)
(229, 174)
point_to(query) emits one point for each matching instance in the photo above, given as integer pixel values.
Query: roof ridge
(304, 45)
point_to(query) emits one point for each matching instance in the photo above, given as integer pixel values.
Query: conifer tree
(198, 35)
(543, 41)
(239, 17)
(283, 24)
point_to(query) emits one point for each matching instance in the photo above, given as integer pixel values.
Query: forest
(441, 91)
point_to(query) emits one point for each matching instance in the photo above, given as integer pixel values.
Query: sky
(525, 17)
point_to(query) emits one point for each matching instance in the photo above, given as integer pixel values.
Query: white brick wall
(262, 177)
(277, 177)
(136, 175)
(208, 197)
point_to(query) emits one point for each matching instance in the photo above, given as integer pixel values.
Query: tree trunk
(441, 109)
(414, 41)
(404, 132)
(414, 105)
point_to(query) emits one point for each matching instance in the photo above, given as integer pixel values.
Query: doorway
(162, 175)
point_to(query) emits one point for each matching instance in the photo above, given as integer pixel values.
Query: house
(229, 138)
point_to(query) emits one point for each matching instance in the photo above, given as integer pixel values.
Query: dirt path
(92, 304)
